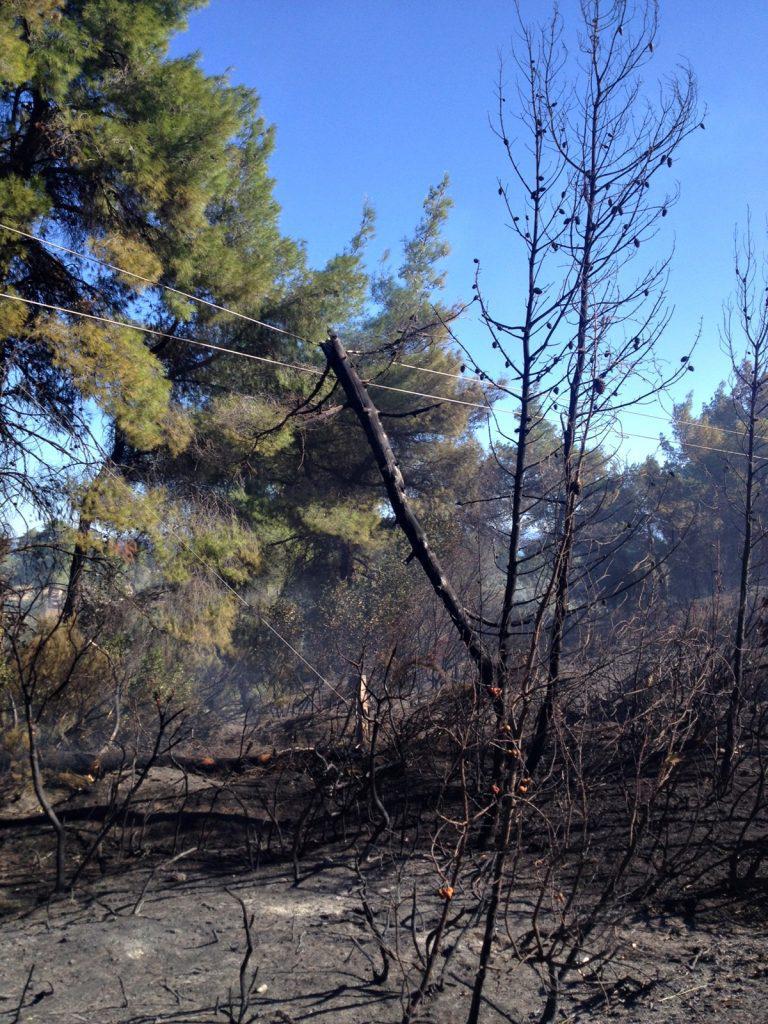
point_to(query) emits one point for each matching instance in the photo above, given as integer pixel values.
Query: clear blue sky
(378, 98)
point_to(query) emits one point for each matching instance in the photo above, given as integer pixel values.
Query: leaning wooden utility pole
(366, 412)
(489, 667)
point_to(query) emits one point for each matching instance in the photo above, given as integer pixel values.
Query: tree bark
(73, 598)
(42, 798)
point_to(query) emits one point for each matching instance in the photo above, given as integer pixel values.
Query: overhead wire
(301, 367)
(88, 257)
(475, 379)
(481, 380)
(162, 334)
(148, 280)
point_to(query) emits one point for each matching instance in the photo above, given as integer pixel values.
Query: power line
(633, 412)
(207, 302)
(302, 367)
(306, 369)
(317, 372)
(163, 334)
(691, 426)
(703, 447)
(149, 281)
(465, 378)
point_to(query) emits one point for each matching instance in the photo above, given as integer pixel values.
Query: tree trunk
(734, 704)
(73, 599)
(42, 798)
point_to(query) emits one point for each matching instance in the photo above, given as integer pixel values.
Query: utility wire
(302, 367)
(272, 327)
(148, 280)
(207, 302)
(162, 334)
(314, 370)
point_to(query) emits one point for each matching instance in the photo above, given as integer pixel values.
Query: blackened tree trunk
(748, 363)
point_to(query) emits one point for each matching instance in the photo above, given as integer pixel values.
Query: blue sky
(376, 99)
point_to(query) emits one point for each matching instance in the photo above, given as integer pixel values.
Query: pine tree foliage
(109, 144)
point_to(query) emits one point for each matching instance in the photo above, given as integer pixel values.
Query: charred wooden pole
(367, 413)
(490, 668)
